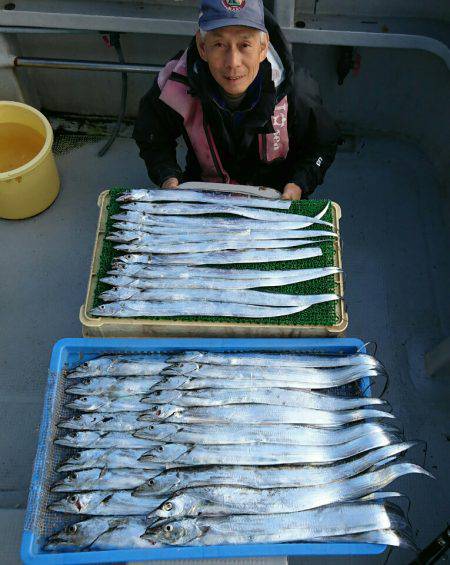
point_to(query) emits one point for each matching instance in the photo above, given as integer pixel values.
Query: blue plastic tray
(68, 353)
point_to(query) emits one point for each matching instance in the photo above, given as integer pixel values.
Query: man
(231, 96)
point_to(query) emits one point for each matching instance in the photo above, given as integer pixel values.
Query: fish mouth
(57, 507)
(60, 486)
(54, 542)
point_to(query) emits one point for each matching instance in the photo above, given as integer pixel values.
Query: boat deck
(397, 266)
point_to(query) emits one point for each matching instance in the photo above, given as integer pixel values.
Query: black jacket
(313, 135)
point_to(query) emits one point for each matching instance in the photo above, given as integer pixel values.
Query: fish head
(158, 431)
(79, 535)
(182, 504)
(180, 532)
(80, 438)
(82, 387)
(91, 368)
(129, 258)
(78, 459)
(160, 412)
(87, 403)
(121, 268)
(73, 480)
(163, 396)
(120, 217)
(165, 453)
(84, 421)
(78, 422)
(129, 196)
(116, 293)
(169, 481)
(111, 309)
(79, 503)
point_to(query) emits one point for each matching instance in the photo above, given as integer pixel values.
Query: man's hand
(291, 192)
(172, 182)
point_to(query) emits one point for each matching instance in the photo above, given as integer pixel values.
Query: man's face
(233, 54)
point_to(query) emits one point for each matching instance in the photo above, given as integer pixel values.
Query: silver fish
(105, 422)
(301, 377)
(133, 284)
(107, 458)
(144, 244)
(273, 396)
(291, 222)
(146, 237)
(213, 295)
(213, 434)
(114, 387)
(106, 503)
(228, 257)
(252, 213)
(84, 439)
(279, 476)
(117, 279)
(101, 534)
(195, 382)
(223, 258)
(212, 232)
(159, 195)
(136, 308)
(106, 404)
(140, 271)
(340, 519)
(120, 365)
(260, 358)
(225, 500)
(104, 479)
(164, 229)
(258, 414)
(263, 454)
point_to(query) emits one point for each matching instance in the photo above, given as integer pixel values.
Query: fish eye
(78, 417)
(85, 364)
(167, 506)
(71, 529)
(84, 399)
(72, 498)
(151, 482)
(161, 448)
(72, 476)
(168, 527)
(77, 456)
(151, 427)
(158, 393)
(86, 381)
(72, 434)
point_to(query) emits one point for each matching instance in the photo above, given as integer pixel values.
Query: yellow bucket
(29, 180)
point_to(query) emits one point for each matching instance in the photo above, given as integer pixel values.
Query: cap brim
(228, 22)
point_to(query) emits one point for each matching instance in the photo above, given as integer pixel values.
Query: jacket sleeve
(314, 138)
(156, 131)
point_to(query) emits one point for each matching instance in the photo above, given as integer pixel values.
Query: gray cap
(222, 13)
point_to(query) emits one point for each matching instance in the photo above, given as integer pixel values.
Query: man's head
(233, 41)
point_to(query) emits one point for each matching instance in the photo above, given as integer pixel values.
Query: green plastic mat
(318, 315)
